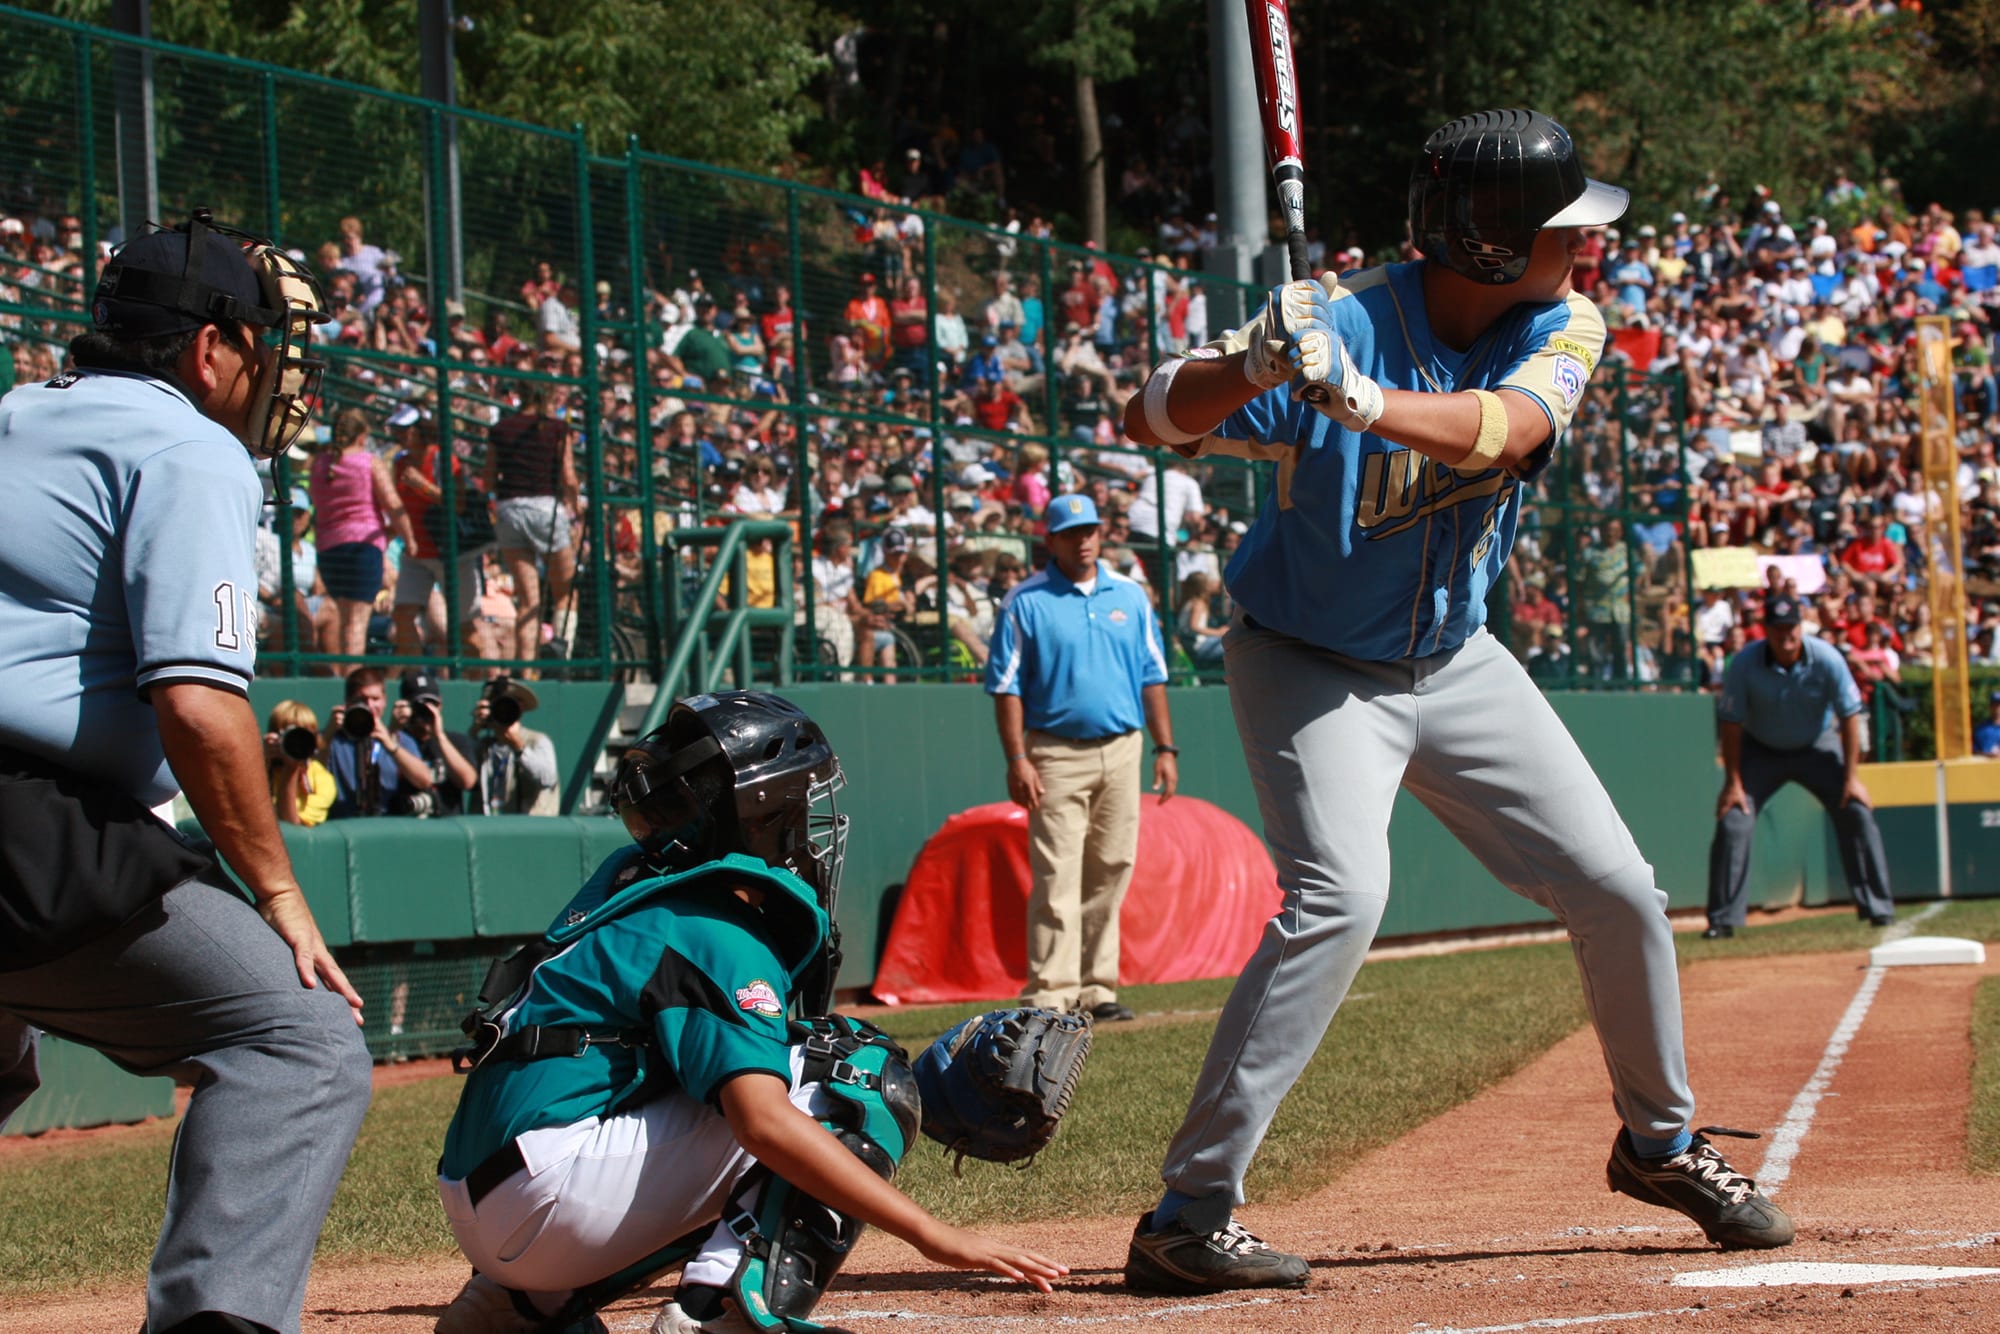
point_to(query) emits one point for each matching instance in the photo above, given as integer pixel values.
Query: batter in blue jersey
(1402, 409)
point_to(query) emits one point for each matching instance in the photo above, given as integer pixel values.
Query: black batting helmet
(1486, 183)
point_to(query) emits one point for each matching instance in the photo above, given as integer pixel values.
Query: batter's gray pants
(201, 989)
(1329, 739)
(1820, 769)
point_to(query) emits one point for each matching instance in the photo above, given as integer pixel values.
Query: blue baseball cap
(1067, 512)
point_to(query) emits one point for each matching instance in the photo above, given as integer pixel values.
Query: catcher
(638, 1099)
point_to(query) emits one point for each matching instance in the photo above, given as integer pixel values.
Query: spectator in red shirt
(868, 321)
(1865, 619)
(1534, 614)
(909, 328)
(998, 408)
(1873, 557)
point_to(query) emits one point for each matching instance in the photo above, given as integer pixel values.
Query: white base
(1795, 1273)
(1927, 949)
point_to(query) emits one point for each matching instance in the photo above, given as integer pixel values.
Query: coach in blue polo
(1790, 713)
(1076, 671)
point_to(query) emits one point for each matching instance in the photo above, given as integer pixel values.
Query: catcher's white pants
(605, 1193)
(1329, 741)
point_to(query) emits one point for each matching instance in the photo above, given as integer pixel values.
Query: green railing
(472, 204)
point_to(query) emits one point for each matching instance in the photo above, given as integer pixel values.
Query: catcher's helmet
(1486, 183)
(738, 771)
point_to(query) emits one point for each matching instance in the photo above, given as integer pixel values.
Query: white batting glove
(1299, 337)
(1347, 396)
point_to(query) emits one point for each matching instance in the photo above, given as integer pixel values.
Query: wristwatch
(1166, 750)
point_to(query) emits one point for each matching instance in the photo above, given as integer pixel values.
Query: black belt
(504, 1162)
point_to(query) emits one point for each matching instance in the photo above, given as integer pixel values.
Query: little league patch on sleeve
(1577, 350)
(759, 998)
(1568, 376)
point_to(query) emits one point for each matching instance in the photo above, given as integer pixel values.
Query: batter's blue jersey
(126, 562)
(1369, 548)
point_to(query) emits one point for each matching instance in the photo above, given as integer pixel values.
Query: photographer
(443, 753)
(517, 766)
(302, 789)
(372, 764)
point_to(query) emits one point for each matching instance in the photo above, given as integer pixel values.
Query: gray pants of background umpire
(1329, 740)
(1820, 769)
(202, 989)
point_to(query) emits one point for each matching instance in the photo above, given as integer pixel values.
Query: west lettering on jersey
(1401, 487)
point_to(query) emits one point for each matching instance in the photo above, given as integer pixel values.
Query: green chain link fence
(471, 206)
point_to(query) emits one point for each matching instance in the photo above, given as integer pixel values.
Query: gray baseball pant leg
(1763, 771)
(1328, 740)
(201, 989)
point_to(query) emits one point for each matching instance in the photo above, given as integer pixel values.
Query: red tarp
(1201, 892)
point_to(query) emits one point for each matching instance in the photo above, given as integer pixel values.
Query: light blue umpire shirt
(1077, 660)
(1787, 708)
(126, 562)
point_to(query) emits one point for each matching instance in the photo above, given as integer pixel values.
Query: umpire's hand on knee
(1024, 783)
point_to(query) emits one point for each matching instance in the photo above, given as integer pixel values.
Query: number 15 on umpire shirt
(1077, 656)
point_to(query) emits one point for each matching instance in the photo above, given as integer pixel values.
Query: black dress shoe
(1718, 933)
(1111, 1012)
(1883, 919)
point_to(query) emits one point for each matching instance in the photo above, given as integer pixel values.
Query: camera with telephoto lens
(502, 709)
(298, 743)
(358, 722)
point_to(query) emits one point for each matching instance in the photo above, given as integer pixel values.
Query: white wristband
(1154, 403)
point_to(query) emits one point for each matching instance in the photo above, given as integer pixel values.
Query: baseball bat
(1278, 102)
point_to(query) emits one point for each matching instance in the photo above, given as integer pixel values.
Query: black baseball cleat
(1180, 1260)
(1111, 1012)
(1697, 1182)
(1718, 933)
(1882, 919)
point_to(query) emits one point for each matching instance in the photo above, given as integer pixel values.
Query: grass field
(1416, 1037)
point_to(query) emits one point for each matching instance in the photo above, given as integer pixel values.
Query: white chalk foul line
(1044, 1321)
(1567, 1321)
(1791, 1133)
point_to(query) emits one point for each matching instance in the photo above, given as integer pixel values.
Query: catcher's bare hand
(287, 914)
(969, 1250)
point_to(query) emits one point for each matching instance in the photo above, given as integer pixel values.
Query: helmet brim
(1598, 204)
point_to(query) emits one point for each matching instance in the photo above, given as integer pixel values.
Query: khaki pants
(1081, 843)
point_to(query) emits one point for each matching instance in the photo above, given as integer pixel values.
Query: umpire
(128, 601)
(1075, 670)
(1779, 701)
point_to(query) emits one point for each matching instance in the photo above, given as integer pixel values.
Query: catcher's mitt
(996, 1086)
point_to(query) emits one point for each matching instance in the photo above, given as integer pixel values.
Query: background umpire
(128, 602)
(1075, 669)
(1777, 709)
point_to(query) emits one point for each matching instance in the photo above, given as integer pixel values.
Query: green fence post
(1049, 308)
(597, 530)
(642, 406)
(437, 203)
(86, 127)
(938, 457)
(267, 101)
(802, 471)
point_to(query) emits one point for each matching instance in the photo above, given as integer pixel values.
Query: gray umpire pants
(1820, 769)
(201, 989)
(1329, 739)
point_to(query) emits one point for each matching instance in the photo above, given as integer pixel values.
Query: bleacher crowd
(1754, 426)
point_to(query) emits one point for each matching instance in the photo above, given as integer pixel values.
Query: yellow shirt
(317, 800)
(882, 586)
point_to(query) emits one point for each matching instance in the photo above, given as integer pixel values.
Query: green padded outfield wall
(916, 754)
(81, 1088)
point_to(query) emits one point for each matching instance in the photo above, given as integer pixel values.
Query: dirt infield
(1496, 1217)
